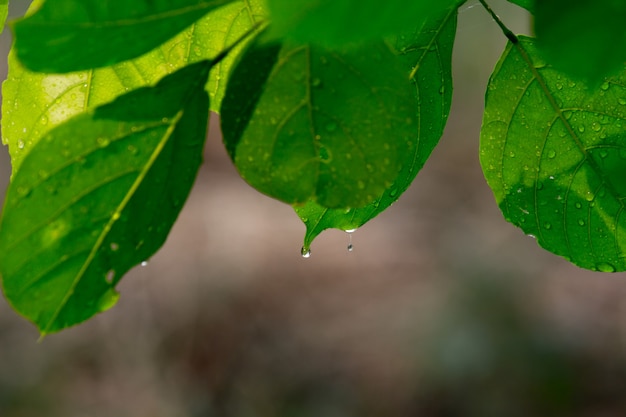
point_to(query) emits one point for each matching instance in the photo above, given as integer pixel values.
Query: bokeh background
(442, 309)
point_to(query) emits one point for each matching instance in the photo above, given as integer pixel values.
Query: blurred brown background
(442, 309)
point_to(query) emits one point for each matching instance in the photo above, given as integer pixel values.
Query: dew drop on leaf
(102, 142)
(144, 263)
(605, 267)
(20, 144)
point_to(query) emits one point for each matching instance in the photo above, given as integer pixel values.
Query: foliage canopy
(106, 135)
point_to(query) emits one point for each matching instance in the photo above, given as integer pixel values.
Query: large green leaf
(33, 103)
(98, 195)
(338, 22)
(583, 38)
(74, 35)
(554, 154)
(303, 123)
(429, 50)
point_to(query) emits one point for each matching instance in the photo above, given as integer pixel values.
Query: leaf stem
(507, 32)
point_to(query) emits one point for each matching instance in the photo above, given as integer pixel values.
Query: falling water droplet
(306, 253)
(350, 247)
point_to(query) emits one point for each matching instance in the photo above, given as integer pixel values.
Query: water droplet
(23, 191)
(596, 127)
(114, 246)
(144, 263)
(548, 226)
(532, 236)
(21, 144)
(350, 247)
(605, 86)
(578, 205)
(108, 300)
(605, 267)
(316, 82)
(581, 222)
(44, 120)
(115, 215)
(350, 230)
(102, 142)
(551, 153)
(589, 196)
(306, 253)
(581, 129)
(603, 153)
(622, 101)
(110, 276)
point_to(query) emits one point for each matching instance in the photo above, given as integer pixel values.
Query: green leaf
(526, 4)
(98, 195)
(340, 22)
(33, 103)
(430, 51)
(582, 38)
(303, 123)
(4, 12)
(554, 154)
(74, 35)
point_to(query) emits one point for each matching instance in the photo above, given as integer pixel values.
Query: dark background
(442, 309)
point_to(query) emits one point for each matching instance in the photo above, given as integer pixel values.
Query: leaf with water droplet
(582, 38)
(74, 35)
(269, 111)
(433, 72)
(39, 101)
(110, 209)
(324, 22)
(579, 190)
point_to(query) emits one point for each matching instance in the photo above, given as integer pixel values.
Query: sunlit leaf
(554, 154)
(98, 195)
(74, 35)
(4, 12)
(303, 123)
(429, 49)
(583, 38)
(33, 103)
(338, 22)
